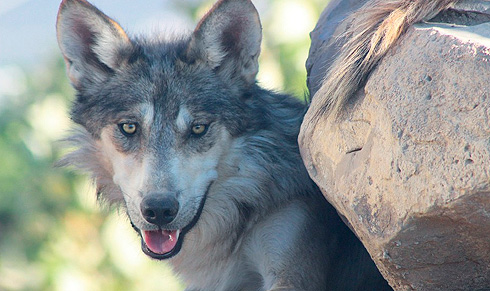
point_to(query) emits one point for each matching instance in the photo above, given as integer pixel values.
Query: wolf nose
(159, 209)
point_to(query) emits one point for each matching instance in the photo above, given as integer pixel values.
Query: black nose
(159, 208)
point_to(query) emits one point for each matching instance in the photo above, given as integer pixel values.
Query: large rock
(408, 165)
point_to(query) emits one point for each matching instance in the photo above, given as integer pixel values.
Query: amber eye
(128, 128)
(199, 129)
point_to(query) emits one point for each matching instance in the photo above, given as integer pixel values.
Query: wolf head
(157, 118)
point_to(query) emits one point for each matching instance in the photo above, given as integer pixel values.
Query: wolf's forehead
(181, 117)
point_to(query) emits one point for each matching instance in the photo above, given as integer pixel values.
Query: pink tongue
(161, 241)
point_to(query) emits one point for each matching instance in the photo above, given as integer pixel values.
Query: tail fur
(372, 31)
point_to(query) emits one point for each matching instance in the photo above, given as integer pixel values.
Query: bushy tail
(372, 31)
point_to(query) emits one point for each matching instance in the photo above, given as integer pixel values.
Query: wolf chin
(204, 161)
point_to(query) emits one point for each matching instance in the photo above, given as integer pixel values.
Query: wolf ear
(228, 39)
(90, 41)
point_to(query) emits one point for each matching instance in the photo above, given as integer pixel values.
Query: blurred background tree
(53, 234)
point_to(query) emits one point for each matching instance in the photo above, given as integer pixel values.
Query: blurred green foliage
(53, 236)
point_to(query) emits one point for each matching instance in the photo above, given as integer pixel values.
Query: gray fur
(249, 216)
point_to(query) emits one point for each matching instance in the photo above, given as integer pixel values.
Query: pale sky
(27, 27)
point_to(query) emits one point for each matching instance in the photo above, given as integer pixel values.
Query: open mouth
(163, 244)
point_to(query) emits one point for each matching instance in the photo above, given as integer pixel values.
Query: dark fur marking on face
(127, 144)
(192, 143)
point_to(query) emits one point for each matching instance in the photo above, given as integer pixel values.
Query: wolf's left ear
(228, 39)
(90, 41)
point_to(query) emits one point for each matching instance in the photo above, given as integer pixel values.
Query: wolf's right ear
(91, 42)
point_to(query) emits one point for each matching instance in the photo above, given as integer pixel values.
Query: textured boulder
(408, 164)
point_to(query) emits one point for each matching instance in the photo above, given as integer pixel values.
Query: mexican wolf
(204, 161)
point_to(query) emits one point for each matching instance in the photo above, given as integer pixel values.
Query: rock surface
(408, 165)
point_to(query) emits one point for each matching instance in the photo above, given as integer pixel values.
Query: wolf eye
(128, 128)
(199, 129)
